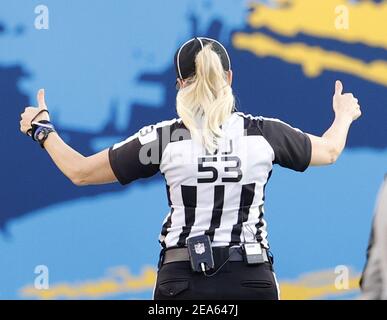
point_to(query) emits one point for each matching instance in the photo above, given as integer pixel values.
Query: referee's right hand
(345, 105)
(30, 113)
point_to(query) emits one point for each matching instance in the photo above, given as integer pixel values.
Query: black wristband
(36, 125)
(41, 130)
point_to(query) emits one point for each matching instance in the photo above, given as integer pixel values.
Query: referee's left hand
(30, 113)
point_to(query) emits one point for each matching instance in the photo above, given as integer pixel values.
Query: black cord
(39, 113)
(217, 270)
(30, 130)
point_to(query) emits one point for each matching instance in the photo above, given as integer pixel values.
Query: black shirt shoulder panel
(292, 148)
(139, 155)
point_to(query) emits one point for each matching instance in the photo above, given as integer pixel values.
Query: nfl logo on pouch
(200, 248)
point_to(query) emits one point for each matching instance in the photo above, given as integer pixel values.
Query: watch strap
(44, 127)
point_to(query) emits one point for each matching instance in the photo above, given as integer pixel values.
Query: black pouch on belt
(200, 253)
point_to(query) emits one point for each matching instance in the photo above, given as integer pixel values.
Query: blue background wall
(107, 68)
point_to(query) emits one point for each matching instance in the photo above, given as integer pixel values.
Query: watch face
(42, 134)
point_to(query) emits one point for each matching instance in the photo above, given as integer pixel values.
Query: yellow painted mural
(313, 60)
(367, 23)
(367, 20)
(119, 280)
(318, 285)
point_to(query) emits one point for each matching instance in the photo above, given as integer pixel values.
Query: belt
(181, 254)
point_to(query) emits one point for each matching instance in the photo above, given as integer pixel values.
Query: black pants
(236, 280)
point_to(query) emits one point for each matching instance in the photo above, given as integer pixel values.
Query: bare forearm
(68, 160)
(336, 135)
(327, 148)
(81, 170)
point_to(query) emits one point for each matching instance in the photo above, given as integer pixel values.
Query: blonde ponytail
(207, 100)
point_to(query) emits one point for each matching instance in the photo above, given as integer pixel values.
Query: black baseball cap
(186, 54)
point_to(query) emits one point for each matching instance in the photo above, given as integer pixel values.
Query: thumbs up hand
(41, 101)
(345, 105)
(34, 113)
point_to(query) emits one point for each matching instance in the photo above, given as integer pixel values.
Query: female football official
(216, 162)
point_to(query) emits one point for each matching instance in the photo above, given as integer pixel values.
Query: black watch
(42, 131)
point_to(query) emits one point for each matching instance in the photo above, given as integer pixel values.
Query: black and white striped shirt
(222, 194)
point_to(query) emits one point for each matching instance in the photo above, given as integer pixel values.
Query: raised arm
(79, 169)
(327, 148)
